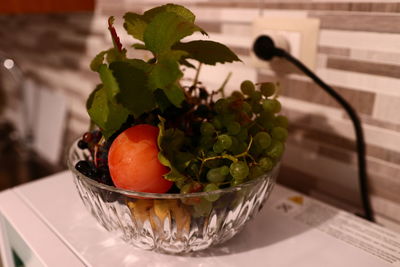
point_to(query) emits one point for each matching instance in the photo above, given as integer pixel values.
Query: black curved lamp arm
(265, 49)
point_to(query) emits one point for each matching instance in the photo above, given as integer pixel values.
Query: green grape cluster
(241, 138)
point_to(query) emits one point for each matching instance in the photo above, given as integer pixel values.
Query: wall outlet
(299, 36)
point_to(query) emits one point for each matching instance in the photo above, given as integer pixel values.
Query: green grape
(180, 183)
(256, 96)
(272, 105)
(279, 133)
(237, 95)
(234, 145)
(225, 141)
(227, 119)
(215, 163)
(267, 89)
(266, 164)
(262, 140)
(281, 121)
(207, 129)
(243, 134)
(266, 119)
(233, 128)
(236, 182)
(255, 172)
(239, 170)
(221, 106)
(209, 188)
(215, 175)
(247, 108)
(224, 170)
(241, 147)
(193, 169)
(275, 150)
(206, 142)
(218, 147)
(216, 122)
(186, 188)
(247, 87)
(257, 107)
(255, 150)
(203, 208)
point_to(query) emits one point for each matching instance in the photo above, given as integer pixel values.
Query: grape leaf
(165, 74)
(165, 30)
(162, 100)
(207, 52)
(175, 94)
(186, 63)
(134, 93)
(177, 9)
(111, 55)
(107, 115)
(110, 85)
(162, 141)
(135, 25)
(97, 61)
(114, 55)
(139, 46)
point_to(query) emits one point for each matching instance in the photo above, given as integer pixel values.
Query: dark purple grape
(202, 111)
(87, 137)
(96, 136)
(82, 144)
(105, 178)
(86, 168)
(203, 94)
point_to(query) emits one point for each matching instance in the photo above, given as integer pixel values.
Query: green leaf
(186, 63)
(111, 55)
(139, 46)
(165, 75)
(164, 145)
(165, 72)
(175, 94)
(110, 85)
(97, 61)
(207, 52)
(165, 30)
(140, 64)
(135, 25)
(114, 55)
(107, 115)
(177, 9)
(134, 93)
(173, 175)
(162, 100)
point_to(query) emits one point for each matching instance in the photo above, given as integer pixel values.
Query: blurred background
(46, 47)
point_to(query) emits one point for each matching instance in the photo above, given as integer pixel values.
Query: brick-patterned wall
(358, 53)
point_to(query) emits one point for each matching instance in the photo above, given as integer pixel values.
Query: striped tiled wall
(358, 54)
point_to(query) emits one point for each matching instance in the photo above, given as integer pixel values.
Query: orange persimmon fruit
(133, 161)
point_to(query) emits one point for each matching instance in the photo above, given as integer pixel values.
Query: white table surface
(50, 217)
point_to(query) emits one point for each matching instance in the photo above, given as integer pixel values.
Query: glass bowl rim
(138, 194)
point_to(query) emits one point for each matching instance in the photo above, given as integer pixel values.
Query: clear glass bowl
(171, 223)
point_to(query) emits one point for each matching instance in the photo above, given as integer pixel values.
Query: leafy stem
(222, 88)
(114, 36)
(196, 78)
(233, 158)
